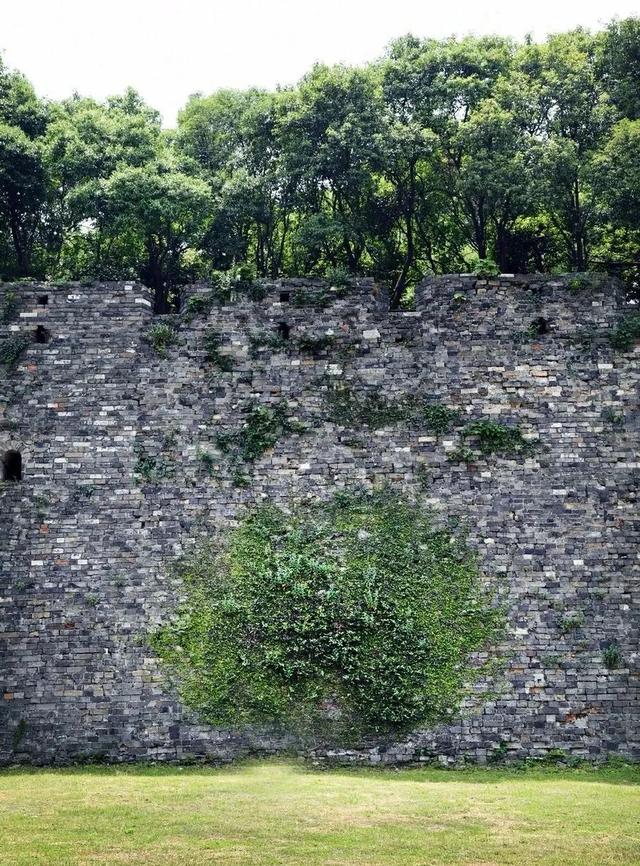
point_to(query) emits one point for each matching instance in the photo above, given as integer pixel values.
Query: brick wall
(88, 532)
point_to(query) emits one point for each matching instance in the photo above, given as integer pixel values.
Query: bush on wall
(356, 616)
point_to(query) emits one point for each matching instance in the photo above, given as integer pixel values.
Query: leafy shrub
(357, 616)
(612, 656)
(338, 277)
(12, 348)
(320, 298)
(199, 304)
(484, 268)
(161, 336)
(581, 282)
(208, 461)
(627, 333)
(152, 469)
(571, 622)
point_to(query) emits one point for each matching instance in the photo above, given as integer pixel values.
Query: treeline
(441, 156)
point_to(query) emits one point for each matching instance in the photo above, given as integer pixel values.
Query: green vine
(9, 307)
(150, 468)
(212, 341)
(349, 409)
(440, 419)
(261, 430)
(491, 437)
(356, 616)
(12, 349)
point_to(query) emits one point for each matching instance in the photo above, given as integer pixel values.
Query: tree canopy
(438, 155)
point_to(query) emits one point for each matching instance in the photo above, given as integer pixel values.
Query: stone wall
(121, 471)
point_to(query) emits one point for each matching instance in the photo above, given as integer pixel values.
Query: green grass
(279, 813)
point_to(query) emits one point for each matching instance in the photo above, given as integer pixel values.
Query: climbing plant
(12, 348)
(261, 429)
(354, 616)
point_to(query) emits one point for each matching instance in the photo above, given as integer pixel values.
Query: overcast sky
(167, 50)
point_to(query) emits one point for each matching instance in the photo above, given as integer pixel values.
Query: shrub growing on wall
(354, 616)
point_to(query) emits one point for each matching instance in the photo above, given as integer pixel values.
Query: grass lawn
(281, 813)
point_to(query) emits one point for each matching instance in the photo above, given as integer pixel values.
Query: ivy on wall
(354, 616)
(260, 430)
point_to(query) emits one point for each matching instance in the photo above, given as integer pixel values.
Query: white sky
(168, 49)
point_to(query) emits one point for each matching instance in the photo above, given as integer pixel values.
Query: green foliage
(613, 418)
(320, 298)
(262, 427)
(315, 345)
(626, 333)
(571, 622)
(440, 419)
(152, 469)
(9, 307)
(354, 616)
(212, 340)
(584, 282)
(207, 460)
(272, 340)
(199, 304)
(442, 155)
(12, 348)
(338, 277)
(491, 437)
(349, 409)
(161, 336)
(484, 268)
(612, 656)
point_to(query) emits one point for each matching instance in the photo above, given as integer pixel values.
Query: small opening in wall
(42, 335)
(540, 326)
(284, 330)
(43, 300)
(285, 297)
(12, 466)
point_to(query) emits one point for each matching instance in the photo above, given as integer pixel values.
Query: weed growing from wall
(354, 616)
(161, 336)
(349, 408)
(612, 656)
(262, 427)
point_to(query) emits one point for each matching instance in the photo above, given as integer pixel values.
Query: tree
(619, 65)
(163, 212)
(22, 192)
(576, 115)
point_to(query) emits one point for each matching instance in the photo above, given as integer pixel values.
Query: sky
(168, 49)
